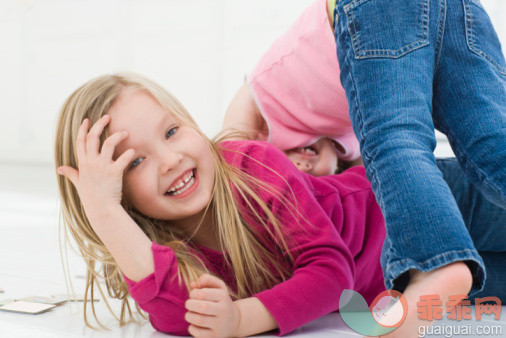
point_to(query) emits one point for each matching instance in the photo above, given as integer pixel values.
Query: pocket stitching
(470, 39)
(359, 54)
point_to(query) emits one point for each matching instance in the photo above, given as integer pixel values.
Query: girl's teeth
(190, 183)
(188, 180)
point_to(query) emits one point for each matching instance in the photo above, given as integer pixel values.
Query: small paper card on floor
(45, 300)
(6, 301)
(26, 307)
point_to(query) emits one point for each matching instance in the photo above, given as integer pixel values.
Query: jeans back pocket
(387, 28)
(480, 35)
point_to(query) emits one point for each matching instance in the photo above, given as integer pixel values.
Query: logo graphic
(386, 313)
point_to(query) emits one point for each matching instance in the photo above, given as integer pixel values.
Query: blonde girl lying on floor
(207, 234)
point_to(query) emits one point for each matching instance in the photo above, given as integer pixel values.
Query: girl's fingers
(93, 138)
(200, 320)
(201, 306)
(70, 173)
(210, 294)
(124, 160)
(197, 331)
(81, 139)
(210, 281)
(111, 142)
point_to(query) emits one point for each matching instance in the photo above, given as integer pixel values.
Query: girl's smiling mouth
(184, 185)
(307, 151)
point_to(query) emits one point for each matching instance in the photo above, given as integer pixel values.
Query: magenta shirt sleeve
(323, 264)
(161, 295)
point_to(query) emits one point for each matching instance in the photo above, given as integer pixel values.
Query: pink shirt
(339, 249)
(297, 88)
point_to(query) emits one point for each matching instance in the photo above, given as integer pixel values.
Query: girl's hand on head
(211, 311)
(98, 178)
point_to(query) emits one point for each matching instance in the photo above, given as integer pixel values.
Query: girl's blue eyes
(169, 133)
(135, 163)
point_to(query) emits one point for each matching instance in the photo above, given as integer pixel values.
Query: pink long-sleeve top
(338, 250)
(296, 86)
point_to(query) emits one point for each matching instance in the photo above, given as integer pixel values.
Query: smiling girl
(206, 235)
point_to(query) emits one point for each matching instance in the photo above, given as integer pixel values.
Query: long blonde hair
(246, 254)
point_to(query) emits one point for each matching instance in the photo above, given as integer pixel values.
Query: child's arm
(98, 181)
(243, 113)
(126, 242)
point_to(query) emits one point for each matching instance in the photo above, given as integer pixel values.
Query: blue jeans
(409, 66)
(485, 223)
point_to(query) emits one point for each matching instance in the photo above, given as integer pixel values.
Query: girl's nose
(303, 166)
(169, 161)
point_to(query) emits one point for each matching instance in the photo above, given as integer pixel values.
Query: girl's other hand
(211, 311)
(98, 178)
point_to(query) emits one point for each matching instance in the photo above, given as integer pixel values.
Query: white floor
(30, 265)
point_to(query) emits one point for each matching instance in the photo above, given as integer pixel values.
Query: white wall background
(200, 50)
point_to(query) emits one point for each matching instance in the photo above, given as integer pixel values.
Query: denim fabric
(485, 222)
(409, 66)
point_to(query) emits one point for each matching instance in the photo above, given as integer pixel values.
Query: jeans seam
(360, 121)
(392, 54)
(424, 263)
(468, 18)
(440, 32)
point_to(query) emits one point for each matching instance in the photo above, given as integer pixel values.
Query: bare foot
(449, 280)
